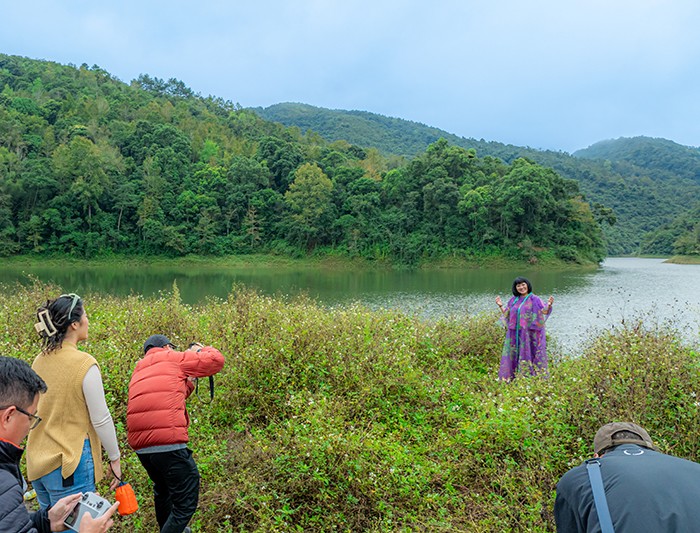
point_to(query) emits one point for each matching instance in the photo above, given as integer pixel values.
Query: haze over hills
(649, 183)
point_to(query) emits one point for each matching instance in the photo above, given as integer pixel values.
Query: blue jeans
(49, 488)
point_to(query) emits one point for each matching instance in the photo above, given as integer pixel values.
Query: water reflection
(586, 301)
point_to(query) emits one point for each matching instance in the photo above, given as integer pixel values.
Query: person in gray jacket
(20, 387)
(645, 490)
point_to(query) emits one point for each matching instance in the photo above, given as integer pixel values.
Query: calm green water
(586, 301)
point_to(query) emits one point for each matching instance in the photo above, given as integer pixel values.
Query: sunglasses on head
(73, 303)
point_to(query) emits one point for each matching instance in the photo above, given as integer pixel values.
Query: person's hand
(195, 347)
(550, 301)
(499, 302)
(97, 525)
(116, 467)
(61, 509)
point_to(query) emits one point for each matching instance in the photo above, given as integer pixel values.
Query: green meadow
(357, 420)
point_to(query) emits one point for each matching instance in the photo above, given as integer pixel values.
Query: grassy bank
(335, 262)
(356, 420)
(685, 259)
(218, 262)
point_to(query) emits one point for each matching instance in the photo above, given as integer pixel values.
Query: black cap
(156, 341)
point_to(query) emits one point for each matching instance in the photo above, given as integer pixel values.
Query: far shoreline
(684, 260)
(333, 262)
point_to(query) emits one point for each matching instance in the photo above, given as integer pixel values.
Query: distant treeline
(92, 166)
(648, 183)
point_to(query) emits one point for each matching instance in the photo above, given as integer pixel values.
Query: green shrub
(358, 420)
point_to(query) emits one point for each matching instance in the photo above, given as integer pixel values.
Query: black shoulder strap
(211, 389)
(601, 502)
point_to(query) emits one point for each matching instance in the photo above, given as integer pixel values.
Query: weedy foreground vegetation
(357, 420)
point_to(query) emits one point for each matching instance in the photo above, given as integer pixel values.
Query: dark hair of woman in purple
(518, 281)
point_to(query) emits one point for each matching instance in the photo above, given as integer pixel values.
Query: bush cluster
(357, 420)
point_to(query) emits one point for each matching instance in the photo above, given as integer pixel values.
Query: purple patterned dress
(525, 349)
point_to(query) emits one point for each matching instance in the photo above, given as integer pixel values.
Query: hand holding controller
(90, 503)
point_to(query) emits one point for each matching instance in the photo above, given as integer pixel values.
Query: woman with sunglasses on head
(64, 453)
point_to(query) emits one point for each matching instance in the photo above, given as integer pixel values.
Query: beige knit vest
(58, 440)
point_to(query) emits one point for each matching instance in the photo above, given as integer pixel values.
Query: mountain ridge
(647, 191)
(305, 117)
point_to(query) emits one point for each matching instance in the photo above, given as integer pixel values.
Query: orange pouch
(127, 499)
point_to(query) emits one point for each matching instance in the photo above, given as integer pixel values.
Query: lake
(586, 301)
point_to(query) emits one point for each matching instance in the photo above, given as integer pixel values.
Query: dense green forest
(387, 134)
(667, 158)
(92, 166)
(648, 183)
(673, 166)
(681, 236)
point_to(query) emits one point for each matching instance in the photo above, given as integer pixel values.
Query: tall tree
(309, 201)
(80, 168)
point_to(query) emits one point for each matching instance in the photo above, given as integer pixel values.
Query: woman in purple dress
(525, 349)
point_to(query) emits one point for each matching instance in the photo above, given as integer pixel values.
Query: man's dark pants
(175, 487)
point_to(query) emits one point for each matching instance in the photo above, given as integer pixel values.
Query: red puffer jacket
(156, 414)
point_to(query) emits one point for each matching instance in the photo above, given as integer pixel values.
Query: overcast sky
(551, 74)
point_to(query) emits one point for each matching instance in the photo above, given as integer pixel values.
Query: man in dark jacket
(157, 422)
(645, 490)
(20, 387)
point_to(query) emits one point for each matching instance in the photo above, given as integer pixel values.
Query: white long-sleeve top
(101, 418)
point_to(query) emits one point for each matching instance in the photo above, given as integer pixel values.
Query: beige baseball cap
(604, 436)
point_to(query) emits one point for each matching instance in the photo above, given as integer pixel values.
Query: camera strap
(211, 390)
(601, 502)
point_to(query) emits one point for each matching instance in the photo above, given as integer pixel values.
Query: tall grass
(359, 420)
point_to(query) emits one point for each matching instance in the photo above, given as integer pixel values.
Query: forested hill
(669, 163)
(666, 158)
(649, 183)
(391, 136)
(92, 166)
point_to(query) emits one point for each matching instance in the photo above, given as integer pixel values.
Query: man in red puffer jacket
(157, 422)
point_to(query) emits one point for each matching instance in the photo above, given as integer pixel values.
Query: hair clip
(45, 323)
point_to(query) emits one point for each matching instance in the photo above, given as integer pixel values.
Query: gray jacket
(645, 490)
(14, 517)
